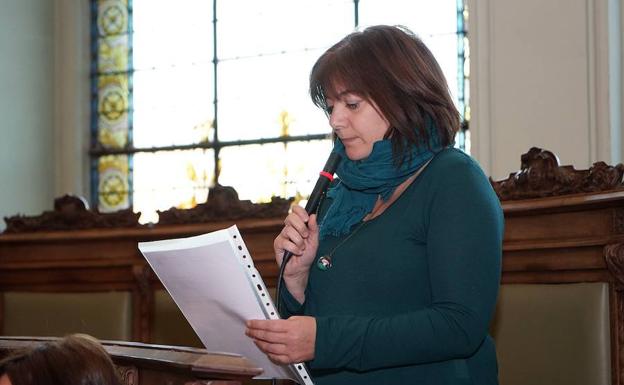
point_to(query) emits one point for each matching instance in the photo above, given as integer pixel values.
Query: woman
(77, 359)
(398, 283)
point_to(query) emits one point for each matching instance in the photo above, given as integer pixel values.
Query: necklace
(324, 262)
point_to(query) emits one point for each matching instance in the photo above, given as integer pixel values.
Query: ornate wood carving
(619, 355)
(614, 257)
(618, 220)
(71, 213)
(129, 375)
(223, 204)
(142, 274)
(145, 298)
(540, 175)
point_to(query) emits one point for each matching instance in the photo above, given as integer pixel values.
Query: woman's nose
(336, 118)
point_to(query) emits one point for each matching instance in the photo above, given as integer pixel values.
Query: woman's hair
(77, 359)
(392, 67)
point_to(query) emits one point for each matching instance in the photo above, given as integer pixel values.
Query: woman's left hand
(284, 341)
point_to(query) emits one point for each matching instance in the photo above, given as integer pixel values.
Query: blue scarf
(362, 181)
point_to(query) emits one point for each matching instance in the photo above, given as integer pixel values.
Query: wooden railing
(142, 364)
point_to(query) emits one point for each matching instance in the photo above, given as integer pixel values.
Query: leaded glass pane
(171, 179)
(113, 54)
(435, 22)
(305, 161)
(173, 106)
(252, 28)
(168, 34)
(113, 186)
(173, 80)
(444, 48)
(112, 83)
(112, 17)
(423, 17)
(259, 172)
(253, 106)
(113, 105)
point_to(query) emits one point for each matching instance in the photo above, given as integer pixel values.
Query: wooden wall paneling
(143, 308)
(614, 258)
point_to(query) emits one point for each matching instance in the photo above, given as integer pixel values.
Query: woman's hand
(284, 341)
(301, 239)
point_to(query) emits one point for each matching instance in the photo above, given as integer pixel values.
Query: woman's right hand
(301, 239)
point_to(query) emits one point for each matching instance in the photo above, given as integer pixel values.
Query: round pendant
(324, 263)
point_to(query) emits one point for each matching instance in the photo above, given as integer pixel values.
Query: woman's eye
(353, 106)
(329, 109)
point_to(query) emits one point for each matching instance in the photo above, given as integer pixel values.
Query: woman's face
(356, 122)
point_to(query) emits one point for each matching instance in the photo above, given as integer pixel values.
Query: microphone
(322, 183)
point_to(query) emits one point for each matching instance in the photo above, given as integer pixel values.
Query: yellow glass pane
(112, 17)
(112, 110)
(113, 185)
(113, 54)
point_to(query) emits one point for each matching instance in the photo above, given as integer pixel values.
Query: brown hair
(392, 67)
(77, 359)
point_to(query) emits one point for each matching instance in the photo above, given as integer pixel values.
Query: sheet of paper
(213, 281)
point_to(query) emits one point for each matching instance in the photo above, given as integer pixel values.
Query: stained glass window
(196, 92)
(111, 100)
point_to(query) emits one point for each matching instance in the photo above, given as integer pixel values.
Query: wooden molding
(618, 220)
(614, 257)
(73, 213)
(144, 297)
(129, 375)
(212, 383)
(540, 176)
(619, 354)
(143, 364)
(223, 204)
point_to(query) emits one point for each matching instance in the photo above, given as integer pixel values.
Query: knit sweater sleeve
(463, 228)
(289, 305)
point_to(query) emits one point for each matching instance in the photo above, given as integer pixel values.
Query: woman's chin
(357, 155)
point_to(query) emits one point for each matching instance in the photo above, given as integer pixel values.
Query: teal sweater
(410, 294)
